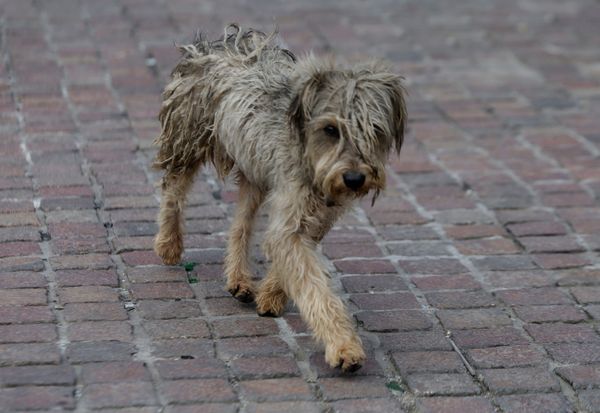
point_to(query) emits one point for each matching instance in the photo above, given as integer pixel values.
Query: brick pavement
(474, 280)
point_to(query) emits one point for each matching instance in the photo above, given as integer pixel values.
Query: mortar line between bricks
(515, 320)
(420, 296)
(48, 272)
(141, 340)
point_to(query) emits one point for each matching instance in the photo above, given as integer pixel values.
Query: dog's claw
(352, 368)
(245, 296)
(268, 313)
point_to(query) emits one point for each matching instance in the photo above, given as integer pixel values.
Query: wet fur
(246, 105)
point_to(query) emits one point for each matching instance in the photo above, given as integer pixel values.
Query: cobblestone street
(474, 280)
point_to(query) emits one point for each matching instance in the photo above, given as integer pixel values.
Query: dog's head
(348, 120)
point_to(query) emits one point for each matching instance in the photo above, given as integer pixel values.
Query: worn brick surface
(485, 243)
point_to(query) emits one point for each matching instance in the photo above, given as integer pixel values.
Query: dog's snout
(354, 180)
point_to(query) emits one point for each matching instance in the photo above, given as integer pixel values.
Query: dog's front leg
(305, 280)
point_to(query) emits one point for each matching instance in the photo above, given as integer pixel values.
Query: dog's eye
(331, 131)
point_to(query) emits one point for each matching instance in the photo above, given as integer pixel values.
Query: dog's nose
(354, 180)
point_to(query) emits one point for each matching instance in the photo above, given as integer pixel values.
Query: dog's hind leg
(237, 266)
(168, 243)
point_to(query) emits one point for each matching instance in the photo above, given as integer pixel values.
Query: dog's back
(199, 81)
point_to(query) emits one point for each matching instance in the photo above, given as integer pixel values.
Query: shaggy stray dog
(307, 136)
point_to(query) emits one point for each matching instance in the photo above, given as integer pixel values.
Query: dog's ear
(398, 113)
(303, 102)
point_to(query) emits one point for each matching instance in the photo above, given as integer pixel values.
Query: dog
(306, 136)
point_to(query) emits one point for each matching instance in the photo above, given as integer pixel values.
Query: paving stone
(428, 361)
(123, 394)
(388, 321)
(523, 379)
(202, 367)
(29, 398)
(473, 318)
(469, 404)
(505, 356)
(336, 388)
(114, 372)
(580, 377)
(544, 402)
(547, 313)
(276, 389)
(442, 384)
(198, 390)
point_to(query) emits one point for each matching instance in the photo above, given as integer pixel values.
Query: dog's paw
(349, 356)
(241, 291)
(270, 304)
(169, 249)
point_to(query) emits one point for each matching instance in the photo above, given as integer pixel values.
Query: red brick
(394, 301)
(114, 372)
(235, 327)
(460, 299)
(533, 296)
(37, 375)
(11, 249)
(537, 228)
(25, 314)
(334, 251)
(22, 279)
(183, 347)
(504, 263)
(463, 232)
(491, 246)
(87, 294)
(25, 353)
(122, 394)
(288, 407)
(30, 398)
(205, 390)
(560, 261)
(427, 361)
(514, 380)
(580, 377)
(156, 274)
(27, 333)
(251, 346)
(534, 403)
(488, 337)
(365, 267)
(337, 388)
(372, 282)
(191, 368)
(168, 309)
(264, 367)
(134, 258)
(111, 311)
(546, 313)
(446, 282)
(433, 266)
(587, 294)
(561, 332)
(73, 278)
(168, 329)
(551, 244)
(99, 331)
(472, 404)
(161, 290)
(400, 320)
(442, 384)
(95, 351)
(25, 296)
(415, 341)
(82, 261)
(366, 405)
(575, 352)
(505, 356)
(510, 279)
(473, 318)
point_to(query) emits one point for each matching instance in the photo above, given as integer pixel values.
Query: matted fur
(291, 129)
